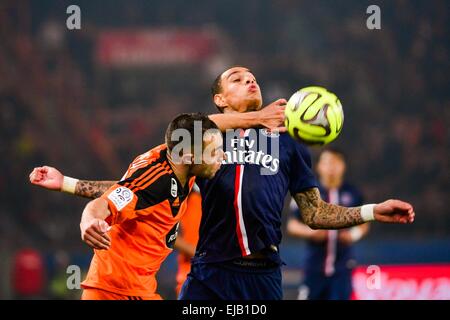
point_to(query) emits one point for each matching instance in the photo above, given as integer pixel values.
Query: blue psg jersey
(242, 204)
(331, 256)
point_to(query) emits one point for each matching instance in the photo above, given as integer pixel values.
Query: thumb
(281, 102)
(103, 226)
(402, 205)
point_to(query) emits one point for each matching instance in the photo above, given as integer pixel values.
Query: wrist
(255, 118)
(367, 212)
(69, 184)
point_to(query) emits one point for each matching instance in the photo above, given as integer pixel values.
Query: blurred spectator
(28, 274)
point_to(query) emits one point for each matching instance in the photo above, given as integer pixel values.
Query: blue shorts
(233, 281)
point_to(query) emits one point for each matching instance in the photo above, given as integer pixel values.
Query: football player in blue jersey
(237, 255)
(329, 260)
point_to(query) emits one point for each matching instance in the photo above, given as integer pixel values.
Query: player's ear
(219, 100)
(187, 158)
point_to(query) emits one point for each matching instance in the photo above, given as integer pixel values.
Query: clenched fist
(394, 211)
(47, 177)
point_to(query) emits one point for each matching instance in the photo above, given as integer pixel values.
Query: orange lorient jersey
(146, 207)
(189, 227)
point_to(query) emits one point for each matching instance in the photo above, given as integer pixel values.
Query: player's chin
(254, 103)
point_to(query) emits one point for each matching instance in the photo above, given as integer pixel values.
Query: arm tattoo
(321, 215)
(92, 189)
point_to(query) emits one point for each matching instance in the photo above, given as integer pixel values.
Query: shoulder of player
(151, 155)
(287, 140)
(287, 143)
(156, 192)
(146, 166)
(161, 182)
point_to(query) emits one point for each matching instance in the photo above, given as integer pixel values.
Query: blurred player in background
(330, 260)
(237, 256)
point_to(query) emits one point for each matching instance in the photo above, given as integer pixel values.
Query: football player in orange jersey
(133, 226)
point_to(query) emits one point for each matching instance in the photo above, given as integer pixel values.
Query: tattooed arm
(52, 179)
(321, 215)
(92, 189)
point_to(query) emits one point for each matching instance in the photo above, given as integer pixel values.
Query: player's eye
(236, 80)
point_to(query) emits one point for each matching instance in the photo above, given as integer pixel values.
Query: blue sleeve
(301, 173)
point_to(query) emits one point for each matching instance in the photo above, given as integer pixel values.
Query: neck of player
(180, 170)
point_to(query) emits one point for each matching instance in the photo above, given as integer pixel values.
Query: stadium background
(76, 100)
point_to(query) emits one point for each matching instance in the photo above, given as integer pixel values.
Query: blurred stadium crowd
(59, 106)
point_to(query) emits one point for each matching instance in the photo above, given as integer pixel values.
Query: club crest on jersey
(173, 188)
(271, 134)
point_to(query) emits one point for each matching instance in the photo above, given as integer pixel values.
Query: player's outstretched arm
(93, 226)
(52, 179)
(92, 189)
(319, 214)
(270, 117)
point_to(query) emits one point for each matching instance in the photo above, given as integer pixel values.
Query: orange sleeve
(121, 203)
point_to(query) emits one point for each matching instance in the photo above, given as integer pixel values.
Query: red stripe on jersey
(236, 209)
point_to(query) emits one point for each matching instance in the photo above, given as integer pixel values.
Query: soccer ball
(314, 116)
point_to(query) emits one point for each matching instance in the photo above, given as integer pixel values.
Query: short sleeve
(301, 173)
(126, 201)
(121, 203)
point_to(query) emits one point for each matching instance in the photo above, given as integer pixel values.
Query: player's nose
(249, 81)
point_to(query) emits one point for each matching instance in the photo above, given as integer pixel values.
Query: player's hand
(47, 177)
(94, 233)
(394, 211)
(272, 116)
(319, 236)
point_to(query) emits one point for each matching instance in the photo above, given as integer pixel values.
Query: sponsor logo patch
(271, 134)
(120, 197)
